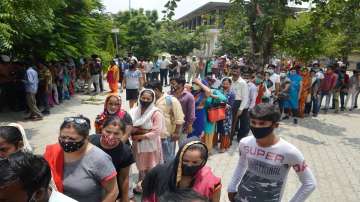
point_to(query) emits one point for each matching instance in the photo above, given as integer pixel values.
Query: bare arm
(124, 83)
(111, 190)
(141, 81)
(216, 195)
(127, 134)
(203, 87)
(123, 178)
(277, 88)
(300, 89)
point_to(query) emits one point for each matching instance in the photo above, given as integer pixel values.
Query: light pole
(130, 7)
(116, 31)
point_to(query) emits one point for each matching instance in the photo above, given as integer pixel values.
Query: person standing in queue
(240, 110)
(79, 169)
(187, 102)
(174, 119)
(111, 142)
(265, 161)
(132, 82)
(148, 126)
(13, 139)
(112, 107)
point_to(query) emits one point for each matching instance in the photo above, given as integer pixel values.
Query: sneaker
(336, 111)
(315, 115)
(295, 121)
(342, 109)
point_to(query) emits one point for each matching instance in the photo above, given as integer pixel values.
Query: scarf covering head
(165, 177)
(141, 119)
(27, 146)
(107, 100)
(100, 119)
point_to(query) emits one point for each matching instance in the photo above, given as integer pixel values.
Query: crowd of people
(210, 105)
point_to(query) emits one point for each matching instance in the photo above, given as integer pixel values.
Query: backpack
(168, 100)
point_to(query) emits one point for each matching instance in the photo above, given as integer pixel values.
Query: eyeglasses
(76, 120)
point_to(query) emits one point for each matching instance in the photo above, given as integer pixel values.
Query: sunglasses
(77, 120)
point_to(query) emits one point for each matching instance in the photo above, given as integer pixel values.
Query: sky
(184, 6)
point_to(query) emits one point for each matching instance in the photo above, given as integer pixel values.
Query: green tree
(264, 22)
(137, 31)
(175, 40)
(301, 38)
(20, 20)
(339, 20)
(233, 38)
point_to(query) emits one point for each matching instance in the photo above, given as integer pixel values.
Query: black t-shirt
(121, 155)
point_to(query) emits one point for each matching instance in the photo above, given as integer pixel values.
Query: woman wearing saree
(113, 78)
(305, 92)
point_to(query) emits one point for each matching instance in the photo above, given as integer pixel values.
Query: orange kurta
(113, 79)
(306, 85)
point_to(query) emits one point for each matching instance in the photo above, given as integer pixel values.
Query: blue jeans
(168, 148)
(327, 95)
(313, 104)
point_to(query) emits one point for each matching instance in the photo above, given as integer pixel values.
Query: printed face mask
(109, 140)
(72, 146)
(260, 133)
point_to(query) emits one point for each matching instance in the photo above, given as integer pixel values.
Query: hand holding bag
(217, 112)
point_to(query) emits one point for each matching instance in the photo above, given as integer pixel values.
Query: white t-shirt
(320, 75)
(148, 67)
(164, 64)
(59, 197)
(261, 172)
(275, 78)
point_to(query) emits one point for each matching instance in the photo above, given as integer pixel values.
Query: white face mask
(111, 112)
(271, 71)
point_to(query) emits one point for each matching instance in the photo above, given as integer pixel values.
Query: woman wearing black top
(110, 142)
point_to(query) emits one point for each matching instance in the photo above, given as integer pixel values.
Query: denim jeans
(313, 104)
(327, 101)
(168, 148)
(164, 76)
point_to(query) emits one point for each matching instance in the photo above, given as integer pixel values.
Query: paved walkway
(330, 144)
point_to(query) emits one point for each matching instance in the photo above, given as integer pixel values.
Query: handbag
(217, 112)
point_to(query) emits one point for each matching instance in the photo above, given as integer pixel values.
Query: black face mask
(190, 170)
(70, 147)
(145, 104)
(260, 133)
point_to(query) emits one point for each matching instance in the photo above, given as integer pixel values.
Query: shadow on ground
(322, 127)
(353, 142)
